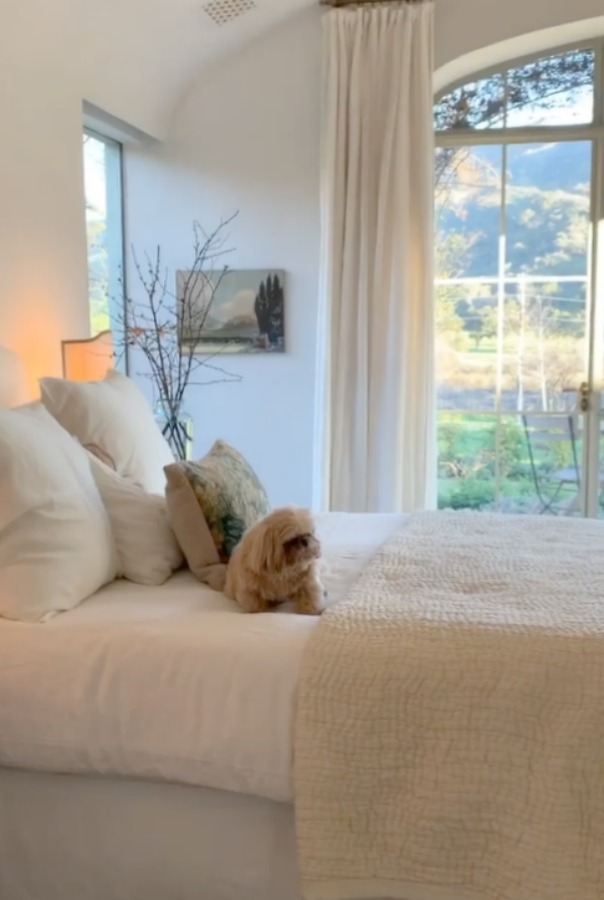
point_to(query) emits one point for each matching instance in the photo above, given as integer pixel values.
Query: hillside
(545, 215)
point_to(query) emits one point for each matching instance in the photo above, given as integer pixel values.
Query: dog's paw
(310, 606)
(310, 610)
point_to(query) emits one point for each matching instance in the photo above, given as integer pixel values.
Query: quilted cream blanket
(450, 726)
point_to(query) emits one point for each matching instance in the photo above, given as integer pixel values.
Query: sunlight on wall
(36, 331)
(13, 382)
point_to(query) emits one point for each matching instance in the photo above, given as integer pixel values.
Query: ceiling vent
(221, 12)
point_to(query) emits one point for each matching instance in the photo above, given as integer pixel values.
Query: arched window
(520, 286)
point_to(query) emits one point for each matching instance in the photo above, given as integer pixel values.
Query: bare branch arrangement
(153, 326)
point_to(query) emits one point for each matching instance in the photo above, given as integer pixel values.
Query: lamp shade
(88, 359)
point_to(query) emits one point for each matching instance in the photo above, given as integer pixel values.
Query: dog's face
(301, 548)
(287, 540)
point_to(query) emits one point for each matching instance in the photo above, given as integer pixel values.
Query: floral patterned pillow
(211, 503)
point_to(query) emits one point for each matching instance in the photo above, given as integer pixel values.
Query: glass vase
(177, 428)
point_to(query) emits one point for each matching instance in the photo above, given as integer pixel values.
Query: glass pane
(103, 192)
(466, 340)
(544, 346)
(548, 208)
(516, 487)
(554, 448)
(468, 199)
(479, 104)
(509, 463)
(557, 90)
(466, 461)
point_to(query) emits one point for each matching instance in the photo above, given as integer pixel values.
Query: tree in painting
(269, 310)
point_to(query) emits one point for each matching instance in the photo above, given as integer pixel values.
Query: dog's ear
(265, 552)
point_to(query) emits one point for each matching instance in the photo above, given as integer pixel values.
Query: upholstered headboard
(13, 382)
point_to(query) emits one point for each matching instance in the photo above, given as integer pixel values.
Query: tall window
(103, 190)
(519, 324)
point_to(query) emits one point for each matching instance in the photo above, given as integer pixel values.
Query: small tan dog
(276, 561)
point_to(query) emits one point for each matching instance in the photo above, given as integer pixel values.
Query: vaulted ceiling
(136, 58)
(133, 57)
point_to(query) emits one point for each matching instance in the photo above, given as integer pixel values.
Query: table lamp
(88, 359)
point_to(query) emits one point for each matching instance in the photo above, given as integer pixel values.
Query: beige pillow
(211, 503)
(113, 420)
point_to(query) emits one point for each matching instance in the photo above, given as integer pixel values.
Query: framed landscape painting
(238, 311)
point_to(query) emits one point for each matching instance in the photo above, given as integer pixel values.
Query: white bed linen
(169, 683)
(70, 837)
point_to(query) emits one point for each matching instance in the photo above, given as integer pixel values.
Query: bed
(437, 734)
(85, 820)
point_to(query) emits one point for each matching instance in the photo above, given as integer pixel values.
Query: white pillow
(146, 546)
(113, 419)
(56, 546)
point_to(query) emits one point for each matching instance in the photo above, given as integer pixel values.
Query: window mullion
(501, 289)
(519, 135)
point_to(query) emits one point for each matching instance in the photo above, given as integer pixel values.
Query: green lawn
(468, 472)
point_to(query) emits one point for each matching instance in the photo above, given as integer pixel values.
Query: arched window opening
(519, 194)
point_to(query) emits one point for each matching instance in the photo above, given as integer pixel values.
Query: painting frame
(246, 314)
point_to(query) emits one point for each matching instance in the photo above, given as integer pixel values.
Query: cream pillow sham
(113, 420)
(146, 546)
(56, 545)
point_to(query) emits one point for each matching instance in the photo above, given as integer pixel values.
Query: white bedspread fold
(450, 724)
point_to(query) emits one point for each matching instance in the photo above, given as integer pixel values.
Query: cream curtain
(376, 364)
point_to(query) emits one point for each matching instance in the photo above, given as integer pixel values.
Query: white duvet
(169, 683)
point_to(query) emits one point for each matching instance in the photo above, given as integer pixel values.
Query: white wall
(43, 275)
(246, 138)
